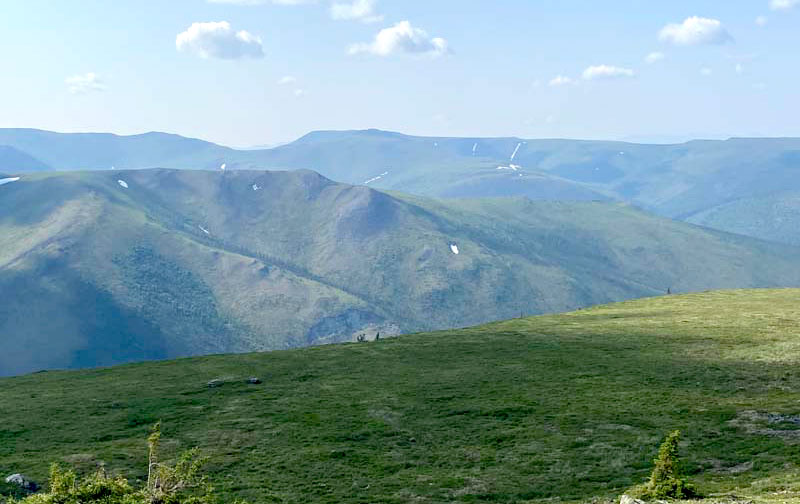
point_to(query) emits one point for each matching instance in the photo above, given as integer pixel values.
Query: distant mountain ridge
(106, 267)
(742, 185)
(14, 160)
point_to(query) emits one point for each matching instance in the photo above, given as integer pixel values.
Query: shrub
(181, 483)
(666, 480)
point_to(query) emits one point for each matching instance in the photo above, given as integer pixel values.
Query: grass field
(569, 407)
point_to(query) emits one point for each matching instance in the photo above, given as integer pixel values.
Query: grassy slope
(570, 406)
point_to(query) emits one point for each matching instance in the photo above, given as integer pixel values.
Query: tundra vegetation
(570, 407)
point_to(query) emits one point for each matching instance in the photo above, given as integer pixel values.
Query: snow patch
(474, 148)
(204, 230)
(436, 144)
(8, 180)
(515, 151)
(122, 183)
(511, 167)
(223, 166)
(255, 187)
(375, 179)
(454, 248)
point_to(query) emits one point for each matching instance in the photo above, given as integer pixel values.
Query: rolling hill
(566, 407)
(740, 185)
(108, 267)
(102, 151)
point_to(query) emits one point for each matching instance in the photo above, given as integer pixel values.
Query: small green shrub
(181, 483)
(666, 480)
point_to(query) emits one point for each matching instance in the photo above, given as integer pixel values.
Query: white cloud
(403, 38)
(560, 80)
(218, 40)
(654, 57)
(357, 10)
(762, 21)
(694, 31)
(299, 93)
(783, 4)
(706, 72)
(80, 84)
(607, 72)
(286, 80)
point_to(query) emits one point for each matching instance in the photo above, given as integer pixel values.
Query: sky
(262, 72)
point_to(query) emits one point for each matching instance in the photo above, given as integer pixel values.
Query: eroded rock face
(347, 325)
(23, 482)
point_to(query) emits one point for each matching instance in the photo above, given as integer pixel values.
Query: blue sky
(457, 67)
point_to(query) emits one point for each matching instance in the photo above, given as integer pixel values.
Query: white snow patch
(512, 167)
(515, 151)
(223, 166)
(454, 248)
(122, 183)
(255, 187)
(474, 148)
(8, 180)
(204, 230)
(375, 179)
(621, 153)
(436, 144)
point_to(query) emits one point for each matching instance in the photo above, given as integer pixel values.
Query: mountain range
(103, 267)
(740, 185)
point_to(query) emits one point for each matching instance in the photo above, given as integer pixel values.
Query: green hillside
(110, 267)
(562, 407)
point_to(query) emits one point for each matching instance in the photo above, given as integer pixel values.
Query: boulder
(253, 380)
(627, 499)
(22, 482)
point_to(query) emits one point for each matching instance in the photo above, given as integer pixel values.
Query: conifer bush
(666, 481)
(179, 483)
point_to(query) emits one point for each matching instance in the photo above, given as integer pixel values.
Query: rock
(627, 499)
(253, 380)
(215, 383)
(22, 482)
